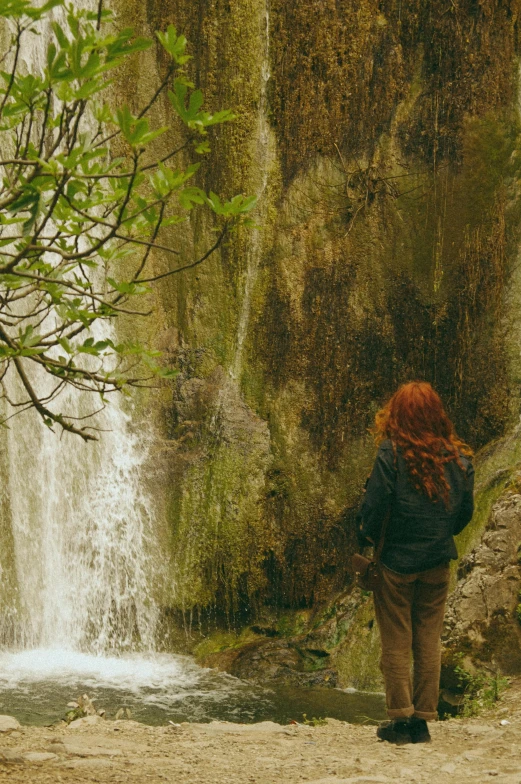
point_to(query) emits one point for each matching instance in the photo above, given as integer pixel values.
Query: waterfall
(82, 525)
(82, 529)
(264, 157)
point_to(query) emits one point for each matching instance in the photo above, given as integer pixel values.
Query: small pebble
(35, 756)
(449, 767)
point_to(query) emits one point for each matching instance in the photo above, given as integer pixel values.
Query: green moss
(218, 536)
(292, 624)
(220, 641)
(357, 659)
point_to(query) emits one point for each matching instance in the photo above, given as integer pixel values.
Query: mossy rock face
(386, 161)
(218, 476)
(273, 662)
(482, 617)
(339, 82)
(358, 659)
(336, 644)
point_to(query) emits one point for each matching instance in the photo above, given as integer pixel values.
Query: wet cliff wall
(382, 140)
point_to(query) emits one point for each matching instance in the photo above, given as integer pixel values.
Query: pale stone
(479, 729)
(352, 780)
(473, 753)
(56, 747)
(368, 780)
(262, 726)
(87, 721)
(81, 764)
(80, 748)
(38, 756)
(8, 724)
(331, 780)
(10, 756)
(121, 724)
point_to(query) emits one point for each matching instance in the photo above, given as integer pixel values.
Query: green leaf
(215, 203)
(136, 131)
(190, 196)
(51, 54)
(195, 103)
(28, 338)
(18, 8)
(167, 372)
(174, 44)
(27, 201)
(123, 44)
(60, 36)
(202, 148)
(66, 346)
(191, 114)
(219, 117)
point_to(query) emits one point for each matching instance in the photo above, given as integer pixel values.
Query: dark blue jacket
(420, 532)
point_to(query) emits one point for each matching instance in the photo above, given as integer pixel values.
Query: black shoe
(396, 731)
(419, 731)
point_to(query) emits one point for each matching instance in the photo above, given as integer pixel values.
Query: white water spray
(82, 534)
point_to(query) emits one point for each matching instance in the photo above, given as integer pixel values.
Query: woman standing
(421, 490)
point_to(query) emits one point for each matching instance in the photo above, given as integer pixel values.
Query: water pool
(36, 685)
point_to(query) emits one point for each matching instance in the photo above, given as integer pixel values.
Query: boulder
(87, 721)
(276, 661)
(38, 756)
(10, 756)
(8, 724)
(483, 616)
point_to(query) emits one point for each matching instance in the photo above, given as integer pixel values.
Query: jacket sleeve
(377, 499)
(466, 509)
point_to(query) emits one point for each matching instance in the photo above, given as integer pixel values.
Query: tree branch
(44, 412)
(192, 264)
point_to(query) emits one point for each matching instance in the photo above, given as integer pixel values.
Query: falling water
(81, 521)
(264, 156)
(82, 533)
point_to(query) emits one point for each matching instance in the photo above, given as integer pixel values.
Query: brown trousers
(409, 611)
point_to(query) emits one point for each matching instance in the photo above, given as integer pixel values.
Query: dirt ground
(487, 748)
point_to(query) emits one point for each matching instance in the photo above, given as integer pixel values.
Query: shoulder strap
(380, 546)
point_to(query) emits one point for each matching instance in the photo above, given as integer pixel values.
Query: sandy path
(477, 750)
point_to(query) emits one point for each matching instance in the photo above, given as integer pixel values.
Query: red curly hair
(415, 420)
